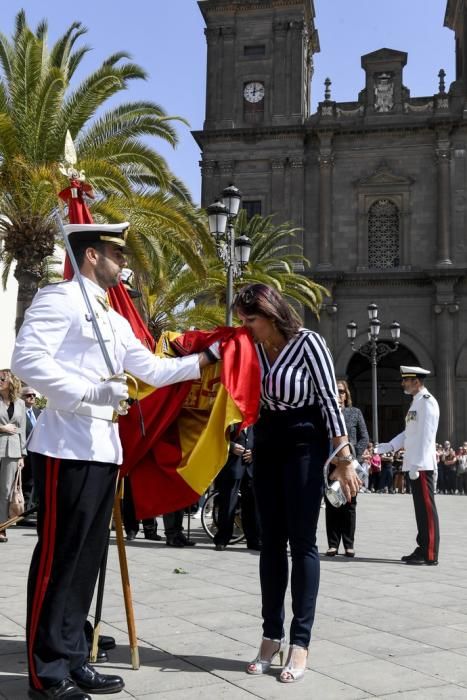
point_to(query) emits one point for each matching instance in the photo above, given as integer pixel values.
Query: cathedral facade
(377, 186)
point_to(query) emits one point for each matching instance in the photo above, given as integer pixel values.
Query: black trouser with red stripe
(75, 504)
(426, 515)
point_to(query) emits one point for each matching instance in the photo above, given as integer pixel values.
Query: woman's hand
(349, 481)
(9, 429)
(237, 449)
(21, 463)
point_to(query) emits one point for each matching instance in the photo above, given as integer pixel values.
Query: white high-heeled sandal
(259, 665)
(291, 674)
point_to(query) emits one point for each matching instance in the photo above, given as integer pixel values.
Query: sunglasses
(4, 379)
(341, 391)
(30, 396)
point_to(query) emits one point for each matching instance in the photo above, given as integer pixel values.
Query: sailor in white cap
(419, 441)
(75, 450)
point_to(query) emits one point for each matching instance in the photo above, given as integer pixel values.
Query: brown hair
(348, 395)
(262, 300)
(14, 388)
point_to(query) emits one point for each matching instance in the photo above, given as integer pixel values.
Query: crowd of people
(383, 473)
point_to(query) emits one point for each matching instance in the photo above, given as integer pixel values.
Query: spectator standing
(462, 469)
(237, 475)
(375, 469)
(29, 395)
(399, 476)
(449, 460)
(173, 528)
(131, 522)
(440, 481)
(341, 522)
(365, 472)
(386, 475)
(12, 439)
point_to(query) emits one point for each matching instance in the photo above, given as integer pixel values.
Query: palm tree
(179, 298)
(37, 108)
(277, 259)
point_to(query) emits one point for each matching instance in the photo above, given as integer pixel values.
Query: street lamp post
(374, 351)
(233, 252)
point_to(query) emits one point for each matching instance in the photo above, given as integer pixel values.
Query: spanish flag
(187, 424)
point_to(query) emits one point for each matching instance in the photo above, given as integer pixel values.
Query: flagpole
(126, 586)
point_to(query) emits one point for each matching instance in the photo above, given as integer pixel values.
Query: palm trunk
(28, 284)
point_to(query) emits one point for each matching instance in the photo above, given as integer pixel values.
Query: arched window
(383, 235)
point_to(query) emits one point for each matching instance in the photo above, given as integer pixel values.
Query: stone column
(227, 168)
(445, 310)
(326, 161)
(278, 188)
(443, 157)
(279, 80)
(212, 76)
(208, 182)
(226, 106)
(297, 66)
(297, 195)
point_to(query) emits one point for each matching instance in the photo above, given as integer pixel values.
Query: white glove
(414, 474)
(213, 353)
(383, 447)
(214, 348)
(111, 392)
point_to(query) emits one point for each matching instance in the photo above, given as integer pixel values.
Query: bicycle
(209, 513)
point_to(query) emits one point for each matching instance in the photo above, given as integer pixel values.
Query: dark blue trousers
(75, 505)
(289, 452)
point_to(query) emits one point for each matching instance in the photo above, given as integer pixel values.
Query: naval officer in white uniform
(75, 449)
(419, 441)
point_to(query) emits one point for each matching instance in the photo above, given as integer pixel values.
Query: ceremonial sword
(84, 292)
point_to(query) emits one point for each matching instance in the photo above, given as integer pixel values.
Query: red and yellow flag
(187, 424)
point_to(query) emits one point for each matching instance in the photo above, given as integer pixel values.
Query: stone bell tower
(259, 69)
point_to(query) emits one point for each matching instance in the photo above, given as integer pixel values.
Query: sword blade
(85, 294)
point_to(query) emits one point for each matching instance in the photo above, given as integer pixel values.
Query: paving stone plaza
(383, 629)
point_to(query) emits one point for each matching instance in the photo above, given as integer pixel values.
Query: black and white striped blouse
(302, 375)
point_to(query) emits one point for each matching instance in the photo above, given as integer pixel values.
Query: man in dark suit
(237, 475)
(29, 395)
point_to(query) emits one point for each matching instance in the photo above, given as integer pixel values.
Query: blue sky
(166, 38)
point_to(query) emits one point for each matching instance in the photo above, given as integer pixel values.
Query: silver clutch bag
(333, 490)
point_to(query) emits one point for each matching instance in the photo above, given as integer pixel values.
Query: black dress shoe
(416, 554)
(152, 535)
(219, 547)
(186, 542)
(87, 678)
(421, 561)
(174, 542)
(101, 656)
(179, 540)
(131, 535)
(105, 643)
(66, 689)
(256, 546)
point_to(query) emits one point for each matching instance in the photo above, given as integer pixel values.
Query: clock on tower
(253, 101)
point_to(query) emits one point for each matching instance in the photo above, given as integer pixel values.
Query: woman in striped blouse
(300, 422)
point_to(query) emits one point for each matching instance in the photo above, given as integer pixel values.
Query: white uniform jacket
(57, 352)
(419, 436)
